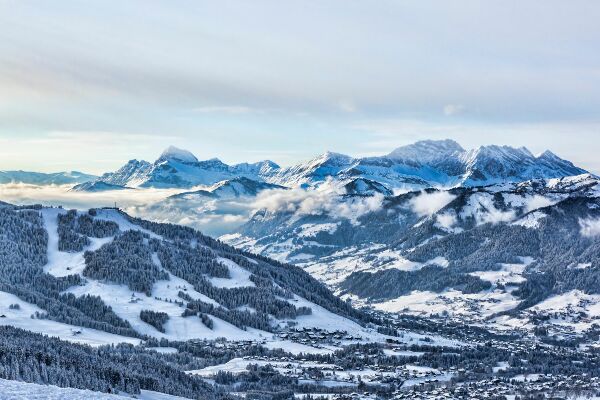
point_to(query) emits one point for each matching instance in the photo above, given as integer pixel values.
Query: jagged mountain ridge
(417, 166)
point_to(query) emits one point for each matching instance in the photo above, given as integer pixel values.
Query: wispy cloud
(427, 204)
(227, 110)
(589, 227)
(453, 109)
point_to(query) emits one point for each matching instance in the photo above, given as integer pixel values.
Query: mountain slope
(103, 270)
(516, 244)
(233, 188)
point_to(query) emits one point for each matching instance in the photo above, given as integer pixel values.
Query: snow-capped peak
(332, 158)
(174, 153)
(426, 150)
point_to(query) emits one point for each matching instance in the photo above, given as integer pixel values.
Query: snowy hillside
(457, 247)
(116, 269)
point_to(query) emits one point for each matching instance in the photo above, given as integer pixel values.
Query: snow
(173, 152)
(508, 273)
(163, 350)
(439, 261)
(16, 390)
(501, 366)
(324, 319)
(454, 302)
(336, 267)
(572, 301)
(239, 277)
(124, 224)
(169, 289)
(21, 318)
(531, 220)
(311, 230)
(128, 305)
(301, 257)
(402, 353)
(295, 347)
(62, 263)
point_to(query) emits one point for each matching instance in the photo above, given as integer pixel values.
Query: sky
(88, 85)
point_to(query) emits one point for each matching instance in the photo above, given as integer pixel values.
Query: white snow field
(16, 390)
(21, 318)
(62, 263)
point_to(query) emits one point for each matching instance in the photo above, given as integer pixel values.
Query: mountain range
(39, 178)
(417, 166)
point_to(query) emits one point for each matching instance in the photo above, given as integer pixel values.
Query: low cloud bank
(212, 216)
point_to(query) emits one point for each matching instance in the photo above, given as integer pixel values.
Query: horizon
(122, 81)
(216, 157)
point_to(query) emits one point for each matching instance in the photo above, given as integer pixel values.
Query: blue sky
(90, 84)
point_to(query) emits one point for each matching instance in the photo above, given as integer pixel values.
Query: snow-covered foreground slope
(22, 318)
(15, 390)
(164, 296)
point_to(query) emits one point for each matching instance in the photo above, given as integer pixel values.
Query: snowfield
(15, 390)
(62, 263)
(21, 318)
(239, 277)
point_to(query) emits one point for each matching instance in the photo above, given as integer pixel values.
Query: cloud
(589, 227)
(347, 106)
(537, 201)
(214, 217)
(19, 193)
(226, 109)
(481, 207)
(427, 204)
(300, 202)
(446, 220)
(453, 109)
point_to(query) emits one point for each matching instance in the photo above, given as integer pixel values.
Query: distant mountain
(233, 188)
(421, 165)
(39, 178)
(97, 186)
(177, 168)
(431, 164)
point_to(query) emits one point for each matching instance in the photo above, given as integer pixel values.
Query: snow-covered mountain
(39, 178)
(434, 242)
(177, 168)
(417, 166)
(97, 186)
(233, 188)
(431, 164)
(56, 259)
